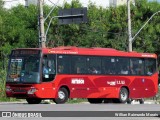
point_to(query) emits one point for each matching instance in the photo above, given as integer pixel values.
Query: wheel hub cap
(123, 96)
(61, 95)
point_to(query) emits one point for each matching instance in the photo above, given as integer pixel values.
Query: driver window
(48, 68)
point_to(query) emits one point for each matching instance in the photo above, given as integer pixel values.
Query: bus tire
(95, 100)
(123, 96)
(141, 101)
(62, 96)
(33, 100)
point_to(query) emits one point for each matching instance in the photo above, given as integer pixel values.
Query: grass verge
(77, 100)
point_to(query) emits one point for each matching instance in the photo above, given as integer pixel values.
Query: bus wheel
(95, 100)
(62, 96)
(123, 95)
(141, 101)
(33, 100)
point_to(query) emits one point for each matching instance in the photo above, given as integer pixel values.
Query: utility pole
(129, 27)
(42, 39)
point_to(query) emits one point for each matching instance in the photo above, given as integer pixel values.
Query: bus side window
(94, 64)
(51, 67)
(78, 70)
(79, 65)
(64, 64)
(48, 68)
(150, 66)
(60, 69)
(108, 65)
(122, 66)
(138, 66)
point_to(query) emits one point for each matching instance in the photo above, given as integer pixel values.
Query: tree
(18, 29)
(148, 39)
(106, 27)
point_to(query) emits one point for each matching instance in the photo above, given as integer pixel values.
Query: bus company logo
(116, 82)
(77, 81)
(112, 83)
(64, 52)
(144, 55)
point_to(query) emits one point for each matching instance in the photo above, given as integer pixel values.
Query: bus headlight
(32, 90)
(8, 89)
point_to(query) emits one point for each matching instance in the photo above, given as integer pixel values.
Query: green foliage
(148, 39)
(2, 83)
(76, 100)
(105, 27)
(2, 87)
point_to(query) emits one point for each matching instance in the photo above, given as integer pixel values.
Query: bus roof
(95, 51)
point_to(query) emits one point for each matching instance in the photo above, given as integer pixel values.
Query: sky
(104, 3)
(152, 0)
(11, 3)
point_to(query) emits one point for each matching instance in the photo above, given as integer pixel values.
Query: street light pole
(130, 38)
(144, 25)
(129, 27)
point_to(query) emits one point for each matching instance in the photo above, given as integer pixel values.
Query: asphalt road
(79, 111)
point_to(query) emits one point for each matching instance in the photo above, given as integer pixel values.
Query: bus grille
(20, 95)
(19, 90)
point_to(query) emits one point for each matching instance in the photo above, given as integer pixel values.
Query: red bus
(97, 74)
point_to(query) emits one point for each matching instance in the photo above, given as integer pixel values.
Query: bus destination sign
(25, 52)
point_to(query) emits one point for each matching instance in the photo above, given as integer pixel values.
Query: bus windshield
(24, 69)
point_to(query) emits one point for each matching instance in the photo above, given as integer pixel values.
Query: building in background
(115, 3)
(29, 2)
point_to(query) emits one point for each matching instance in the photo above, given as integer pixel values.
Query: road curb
(50, 102)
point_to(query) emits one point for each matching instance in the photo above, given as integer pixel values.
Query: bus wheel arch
(63, 94)
(67, 88)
